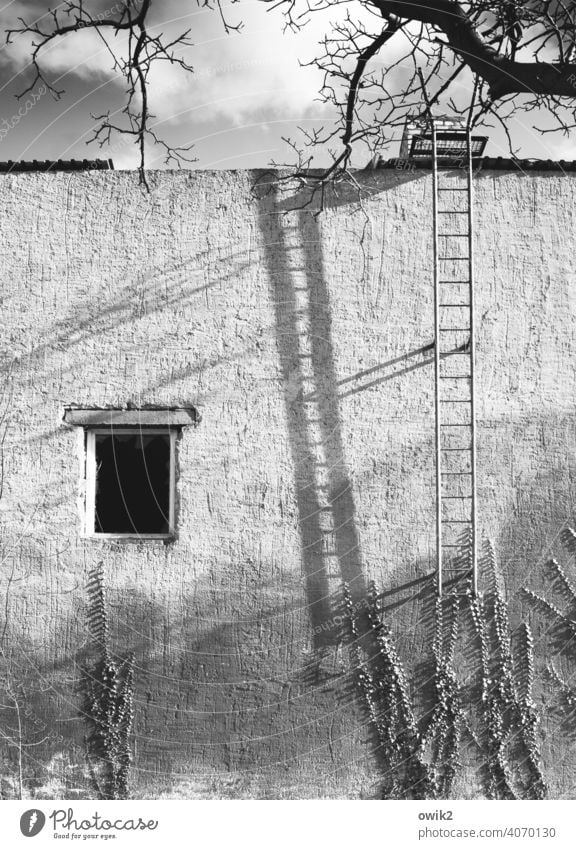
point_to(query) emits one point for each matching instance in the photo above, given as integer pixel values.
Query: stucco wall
(299, 339)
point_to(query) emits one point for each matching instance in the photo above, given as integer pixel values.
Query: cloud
(239, 77)
(82, 54)
(236, 89)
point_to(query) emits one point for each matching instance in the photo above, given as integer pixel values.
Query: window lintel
(162, 417)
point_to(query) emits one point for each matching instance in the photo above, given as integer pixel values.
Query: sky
(248, 94)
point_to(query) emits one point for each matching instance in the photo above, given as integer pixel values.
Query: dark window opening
(132, 483)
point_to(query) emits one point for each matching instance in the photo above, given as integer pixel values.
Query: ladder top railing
(454, 140)
(452, 144)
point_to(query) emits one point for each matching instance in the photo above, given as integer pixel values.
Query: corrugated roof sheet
(11, 167)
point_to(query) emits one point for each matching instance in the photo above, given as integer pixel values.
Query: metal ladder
(456, 536)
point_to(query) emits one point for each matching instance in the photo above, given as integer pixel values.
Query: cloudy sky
(248, 92)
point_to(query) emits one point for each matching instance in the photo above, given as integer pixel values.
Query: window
(130, 482)
(130, 470)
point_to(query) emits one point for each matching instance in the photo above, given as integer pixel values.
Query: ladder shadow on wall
(294, 262)
(329, 537)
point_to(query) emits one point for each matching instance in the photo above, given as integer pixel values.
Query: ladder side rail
(474, 543)
(438, 443)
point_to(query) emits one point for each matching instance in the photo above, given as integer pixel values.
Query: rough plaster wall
(300, 340)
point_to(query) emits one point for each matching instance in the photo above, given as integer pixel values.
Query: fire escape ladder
(456, 536)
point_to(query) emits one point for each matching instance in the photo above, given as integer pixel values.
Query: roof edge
(483, 163)
(13, 167)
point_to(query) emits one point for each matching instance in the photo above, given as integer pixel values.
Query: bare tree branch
(482, 60)
(131, 19)
(503, 74)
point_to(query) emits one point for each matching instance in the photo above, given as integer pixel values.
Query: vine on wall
(414, 765)
(381, 681)
(109, 700)
(422, 760)
(563, 624)
(512, 758)
(444, 732)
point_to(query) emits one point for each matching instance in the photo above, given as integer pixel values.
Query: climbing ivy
(512, 758)
(109, 700)
(528, 718)
(422, 760)
(443, 734)
(563, 619)
(415, 764)
(381, 682)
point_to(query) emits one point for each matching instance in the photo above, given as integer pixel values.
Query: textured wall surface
(300, 340)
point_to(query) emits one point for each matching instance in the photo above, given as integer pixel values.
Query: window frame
(90, 480)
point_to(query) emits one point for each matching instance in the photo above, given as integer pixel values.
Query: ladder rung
(452, 211)
(454, 545)
(455, 400)
(455, 497)
(459, 424)
(459, 306)
(455, 258)
(456, 235)
(455, 282)
(455, 376)
(464, 448)
(456, 521)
